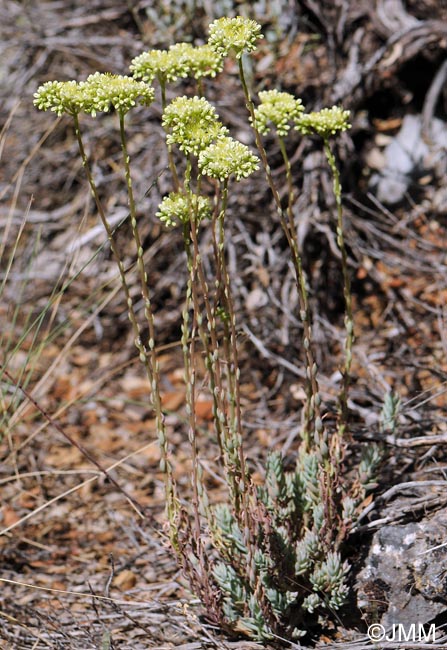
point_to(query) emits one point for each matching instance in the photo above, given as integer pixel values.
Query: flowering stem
(349, 319)
(172, 167)
(230, 337)
(311, 413)
(236, 467)
(200, 88)
(148, 354)
(189, 357)
(172, 499)
(109, 232)
(208, 335)
(312, 408)
(189, 353)
(290, 186)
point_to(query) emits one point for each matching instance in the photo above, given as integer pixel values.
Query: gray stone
(410, 151)
(404, 579)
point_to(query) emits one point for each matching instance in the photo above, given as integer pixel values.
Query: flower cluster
(179, 207)
(98, 94)
(62, 97)
(179, 61)
(193, 124)
(227, 157)
(236, 35)
(165, 65)
(325, 123)
(120, 92)
(279, 109)
(200, 61)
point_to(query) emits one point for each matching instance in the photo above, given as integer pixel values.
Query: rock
(410, 151)
(404, 579)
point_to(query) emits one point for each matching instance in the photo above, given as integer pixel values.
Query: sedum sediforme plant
(268, 562)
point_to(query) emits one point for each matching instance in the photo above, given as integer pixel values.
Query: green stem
(109, 232)
(311, 413)
(349, 318)
(236, 469)
(290, 185)
(232, 351)
(150, 360)
(189, 356)
(312, 407)
(171, 163)
(207, 331)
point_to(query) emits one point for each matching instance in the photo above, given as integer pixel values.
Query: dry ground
(81, 568)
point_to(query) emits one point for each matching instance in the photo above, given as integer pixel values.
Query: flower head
(326, 122)
(200, 61)
(238, 35)
(62, 97)
(192, 123)
(277, 108)
(166, 65)
(99, 92)
(180, 207)
(227, 157)
(120, 92)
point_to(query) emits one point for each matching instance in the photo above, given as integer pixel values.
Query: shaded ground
(67, 529)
